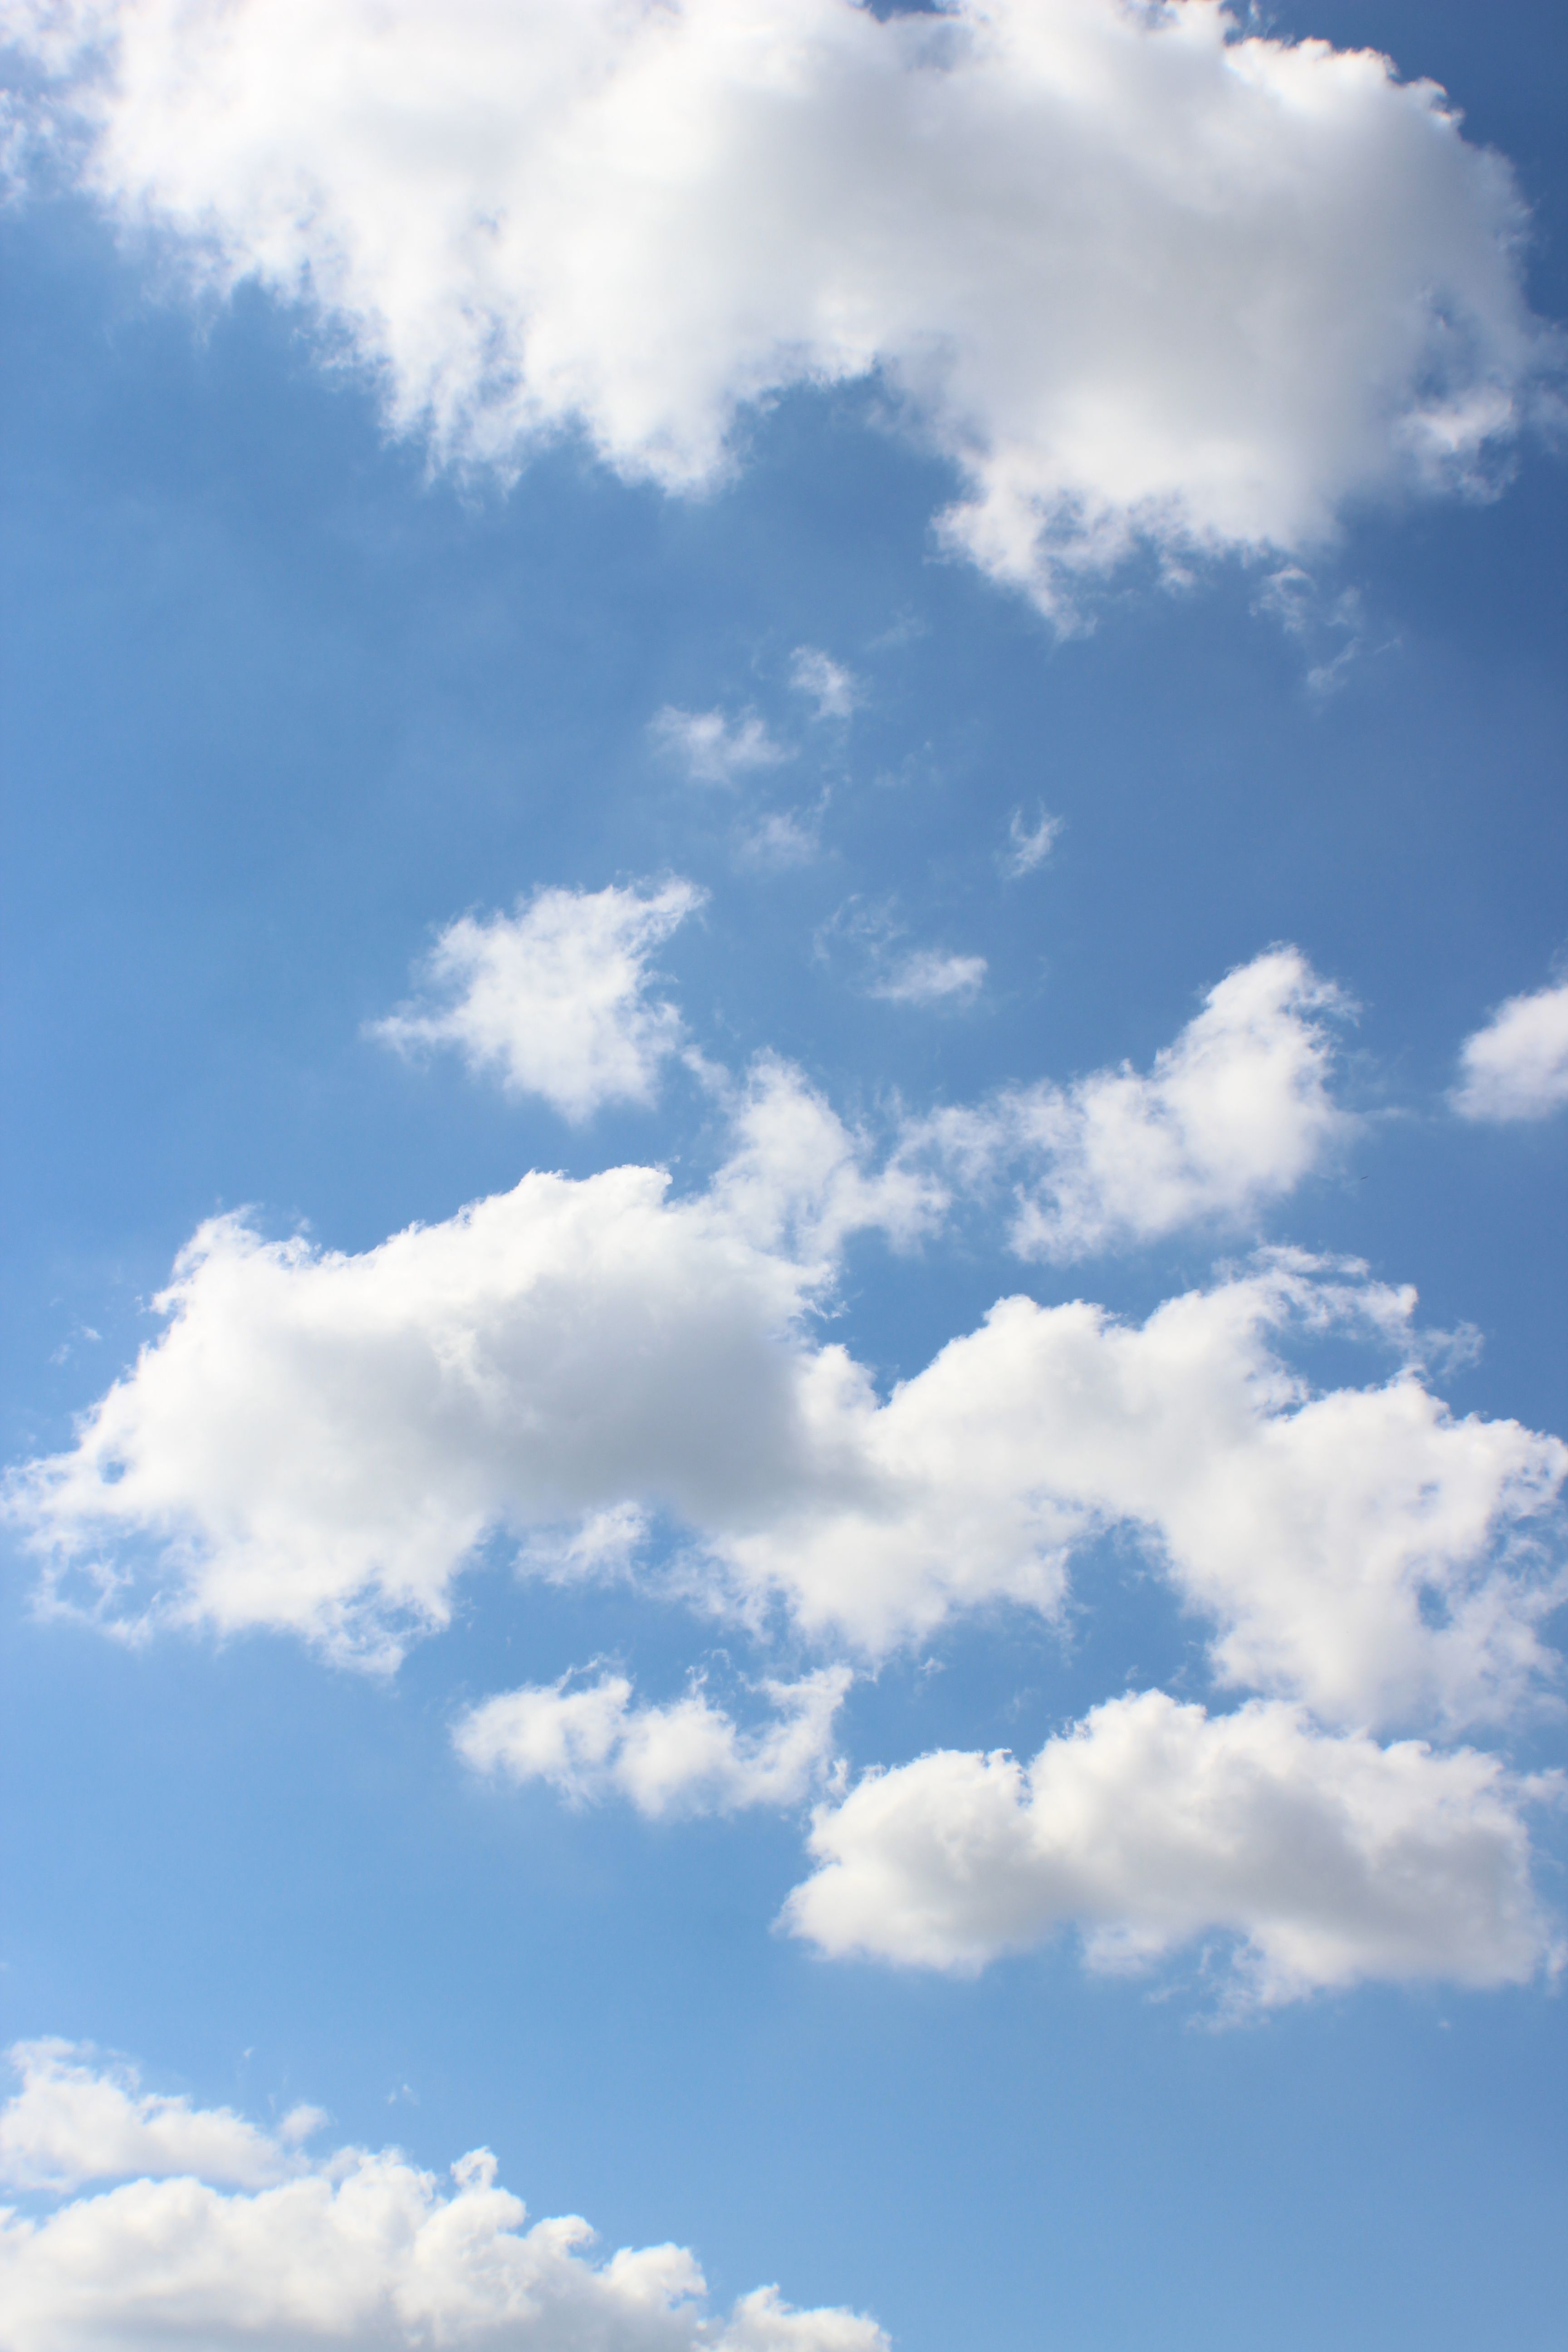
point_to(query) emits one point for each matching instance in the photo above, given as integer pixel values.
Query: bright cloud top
(1135, 276)
(1517, 1067)
(363, 2253)
(554, 999)
(1150, 1824)
(1233, 1115)
(690, 1757)
(75, 2118)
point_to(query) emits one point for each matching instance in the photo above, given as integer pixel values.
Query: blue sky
(949, 632)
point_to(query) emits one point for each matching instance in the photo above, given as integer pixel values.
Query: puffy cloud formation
(1232, 1114)
(1136, 276)
(688, 1757)
(553, 998)
(75, 2118)
(1517, 1067)
(1151, 1824)
(366, 2253)
(712, 748)
(321, 1441)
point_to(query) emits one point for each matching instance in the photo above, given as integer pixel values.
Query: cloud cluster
(1516, 1066)
(1137, 277)
(554, 999)
(1150, 1823)
(323, 1442)
(363, 2253)
(690, 1757)
(1232, 1116)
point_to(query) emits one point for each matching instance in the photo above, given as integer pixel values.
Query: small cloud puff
(1516, 1067)
(553, 999)
(836, 691)
(590, 1741)
(1233, 1114)
(1029, 846)
(926, 976)
(713, 749)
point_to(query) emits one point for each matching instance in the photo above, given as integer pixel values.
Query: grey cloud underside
(1140, 278)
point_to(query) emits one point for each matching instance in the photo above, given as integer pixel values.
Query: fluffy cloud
(1233, 1115)
(714, 749)
(322, 1441)
(366, 2253)
(1517, 1067)
(1136, 276)
(74, 2118)
(688, 1757)
(1150, 1823)
(553, 998)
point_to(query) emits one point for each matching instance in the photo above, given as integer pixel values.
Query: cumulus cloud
(322, 1441)
(836, 691)
(1233, 1115)
(367, 2253)
(712, 748)
(1517, 1065)
(591, 1741)
(554, 999)
(1137, 277)
(1330, 1860)
(75, 2118)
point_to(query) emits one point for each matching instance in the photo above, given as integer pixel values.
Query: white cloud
(553, 998)
(1233, 1115)
(927, 976)
(783, 838)
(1134, 275)
(365, 2253)
(321, 1442)
(714, 749)
(1150, 1824)
(1029, 846)
(75, 2118)
(1517, 1067)
(836, 691)
(687, 1758)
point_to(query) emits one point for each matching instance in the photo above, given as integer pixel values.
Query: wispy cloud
(715, 748)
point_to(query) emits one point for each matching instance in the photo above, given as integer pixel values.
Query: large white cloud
(554, 999)
(321, 1441)
(1517, 1065)
(1231, 1116)
(75, 2118)
(1150, 1823)
(589, 1740)
(366, 2253)
(1134, 274)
